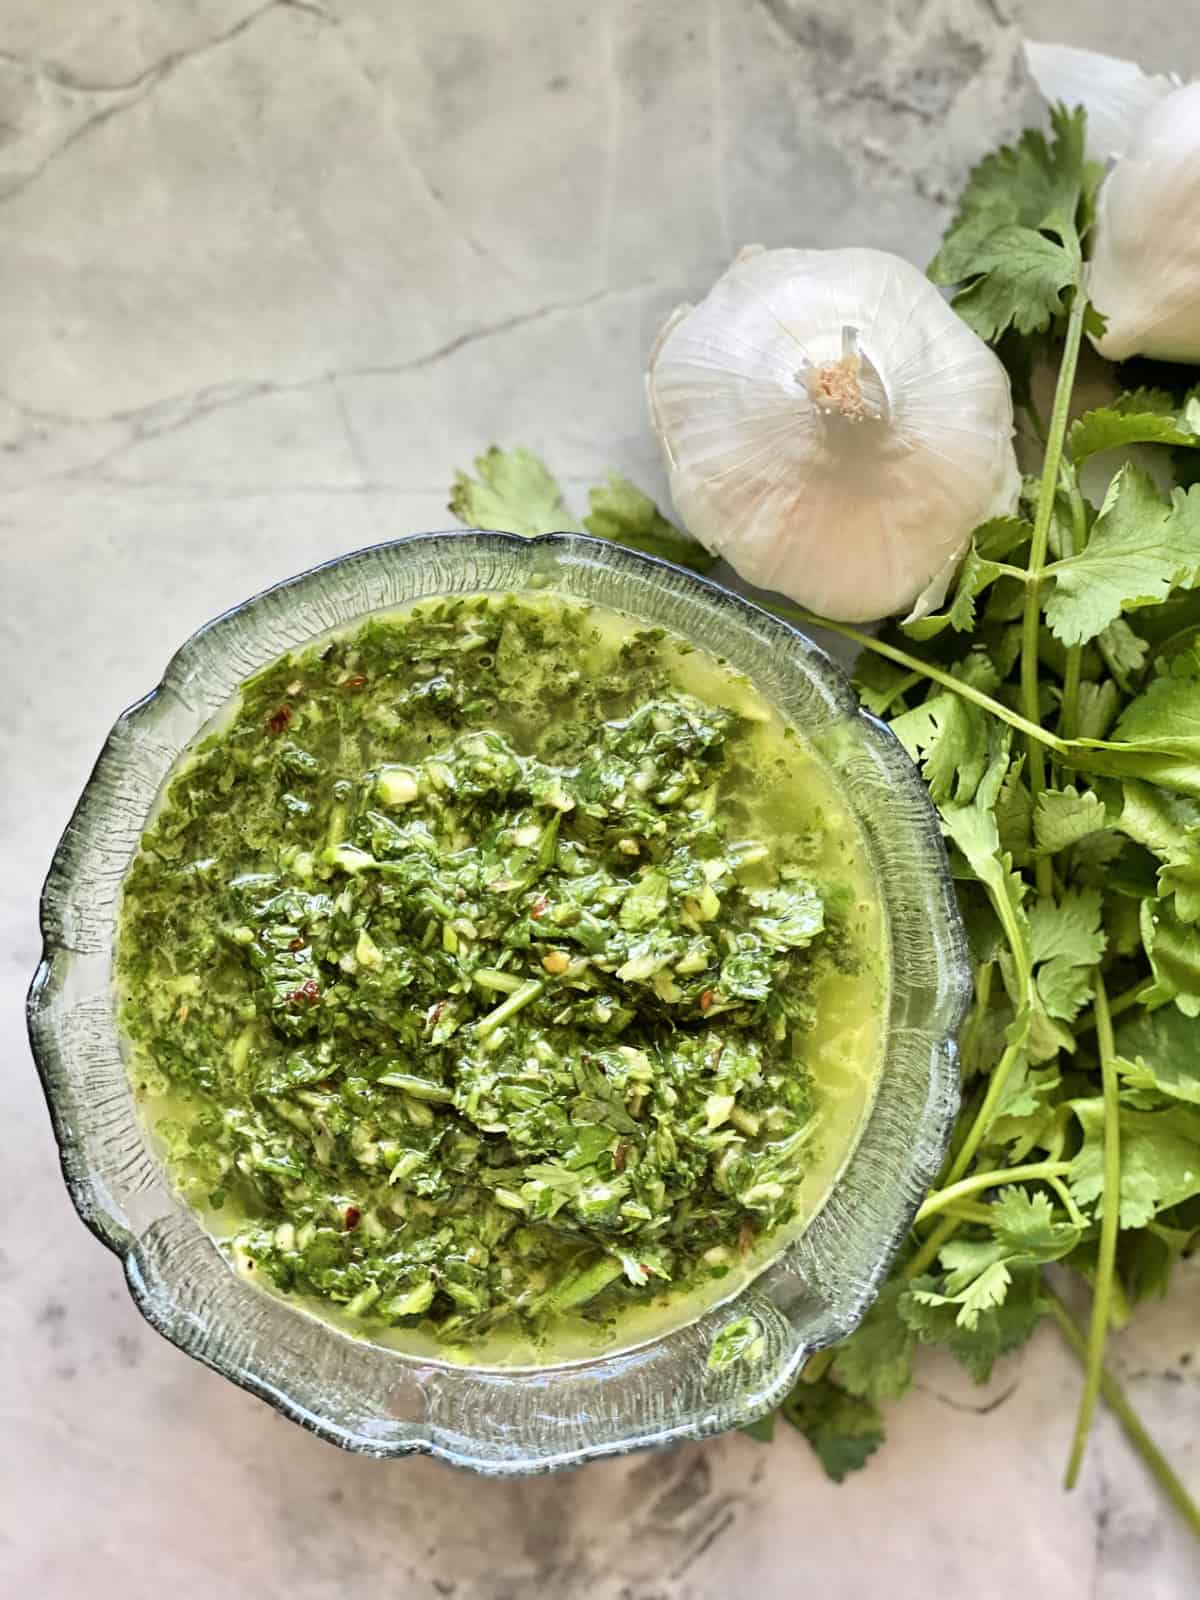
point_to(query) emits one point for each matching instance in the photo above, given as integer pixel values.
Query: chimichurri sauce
(501, 970)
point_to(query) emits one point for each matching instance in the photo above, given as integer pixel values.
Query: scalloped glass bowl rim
(382, 1402)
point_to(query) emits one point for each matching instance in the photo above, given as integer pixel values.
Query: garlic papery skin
(1117, 95)
(1144, 276)
(833, 429)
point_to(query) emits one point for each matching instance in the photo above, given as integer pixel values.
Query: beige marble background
(268, 273)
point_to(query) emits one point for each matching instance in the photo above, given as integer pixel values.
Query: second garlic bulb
(833, 429)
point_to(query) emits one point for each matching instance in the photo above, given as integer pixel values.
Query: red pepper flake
(353, 1217)
(296, 944)
(745, 1237)
(357, 682)
(278, 721)
(307, 994)
(434, 1013)
(539, 907)
(620, 1156)
(706, 999)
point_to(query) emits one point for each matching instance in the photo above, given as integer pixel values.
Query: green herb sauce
(502, 975)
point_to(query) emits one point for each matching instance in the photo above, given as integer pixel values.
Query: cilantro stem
(818, 1364)
(928, 1253)
(1064, 1194)
(515, 1002)
(974, 1024)
(953, 1192)
(898, 693)
(1156, 1463)
(926, 669)
(997, 1084)
(975, 1211)
(1125, 1001)
(1032, 619)
(1068, 721)
(1106, 1259)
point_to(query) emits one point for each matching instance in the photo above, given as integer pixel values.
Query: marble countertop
(268, 274)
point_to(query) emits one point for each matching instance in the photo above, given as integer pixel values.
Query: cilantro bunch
(1054, 709)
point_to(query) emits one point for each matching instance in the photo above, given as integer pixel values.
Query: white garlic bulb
(1144, 275)
(833, 429)
(1115, 94)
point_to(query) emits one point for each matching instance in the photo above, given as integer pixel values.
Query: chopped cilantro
(516, 1015)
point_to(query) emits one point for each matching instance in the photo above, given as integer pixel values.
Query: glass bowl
(379, 1401)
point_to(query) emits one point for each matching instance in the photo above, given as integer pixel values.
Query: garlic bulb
(833, 429)
(1145, 269)
(1115, 94)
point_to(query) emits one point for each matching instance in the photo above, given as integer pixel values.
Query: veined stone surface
(268, 274)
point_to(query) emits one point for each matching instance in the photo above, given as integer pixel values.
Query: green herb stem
(1125, 1001)
(1114, 1396)
(952, 1193)
(1068, 722)
(928, 1253)
(1064, 1194)
(901, 689)
(818, 1364)
(973, 1211)
(1106, 1259)
(988, 1106)
(975, 1022)
(515, 1002)
(1032, 619)
(925, 669)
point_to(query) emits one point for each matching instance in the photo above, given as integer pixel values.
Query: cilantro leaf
(1168, 709)
(1027, 1114)
(1064, 815)
(981, 567)
(1064, 989)
(514, 493)
(1015, 815)
(1015, 244)
(1168, 825)
(947, 735)
(1123, 650)
(1024, 1232)
(1173, 950)
(1022, 277)
(1140, 549)
(975, 831)
(1158, 1050)
(881, 686)
(1180, 875)
(1121, 424)
(844, 1429)
(1147, 1257)
(1068, 928)
(1098, 707)
(997, 1330)
(622, 513)
(1160, 1159)
(763, 1431)
(1157, 737)
(740, 1340)
(875, 1362)
(977, 1283)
